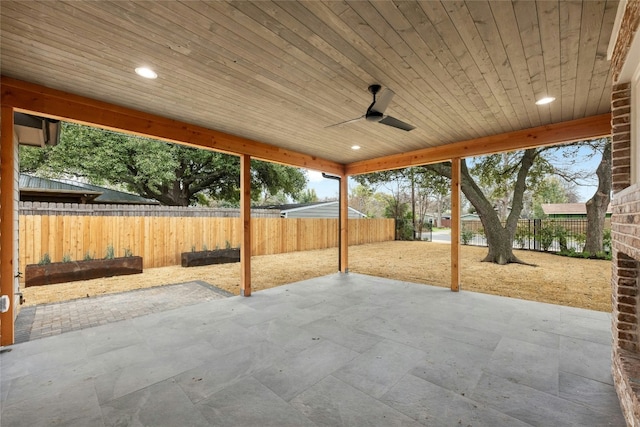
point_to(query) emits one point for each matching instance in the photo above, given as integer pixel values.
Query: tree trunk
(499, 237)
(597, 205)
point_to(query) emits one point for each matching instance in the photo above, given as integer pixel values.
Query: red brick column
(621, 136)
(625, 236)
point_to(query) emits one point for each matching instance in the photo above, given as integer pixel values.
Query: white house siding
(329, 210)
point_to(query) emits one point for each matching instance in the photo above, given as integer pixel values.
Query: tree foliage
(411, 193)
(172, 174)
(307, 196)
(550, 190)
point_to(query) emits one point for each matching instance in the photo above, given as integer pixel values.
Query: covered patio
(281, 81)
(335, 350)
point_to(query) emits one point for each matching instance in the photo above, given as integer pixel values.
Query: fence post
(537, 225)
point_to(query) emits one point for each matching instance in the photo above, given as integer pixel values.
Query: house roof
(292, 207)
(282, 73)
(50, 189)
(566, 208)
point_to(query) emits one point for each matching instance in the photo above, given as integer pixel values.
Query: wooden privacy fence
(161, 240)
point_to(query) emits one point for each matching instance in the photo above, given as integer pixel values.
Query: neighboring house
(470, 217)
(36, 131)
(35, 189)
(568, 210)
(445, 220)
(312, 210)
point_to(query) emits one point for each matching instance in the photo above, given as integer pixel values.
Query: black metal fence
(552, 235)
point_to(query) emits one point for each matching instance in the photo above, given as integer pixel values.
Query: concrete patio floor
(337, 350)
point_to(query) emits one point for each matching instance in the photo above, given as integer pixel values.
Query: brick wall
(625, 233)
(621, 136)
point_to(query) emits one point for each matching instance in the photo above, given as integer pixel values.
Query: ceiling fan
(375, 112)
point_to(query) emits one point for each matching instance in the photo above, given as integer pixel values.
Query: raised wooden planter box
(62, 272)
(219, 256)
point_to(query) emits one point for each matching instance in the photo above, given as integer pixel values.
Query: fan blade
(345, 122)
(383, 101)
(392, 121)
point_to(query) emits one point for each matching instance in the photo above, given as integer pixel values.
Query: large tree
(597, 205)
(496, 186)
(497, 174)
(501, 175)
(172, 174)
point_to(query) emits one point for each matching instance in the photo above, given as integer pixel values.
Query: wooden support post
(455, 224)
(344, 224)
(245, 219)
(7, 238)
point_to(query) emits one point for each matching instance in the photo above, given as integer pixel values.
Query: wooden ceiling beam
(43, 101)
(558, 133)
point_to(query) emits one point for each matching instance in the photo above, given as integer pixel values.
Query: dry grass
(557, 280)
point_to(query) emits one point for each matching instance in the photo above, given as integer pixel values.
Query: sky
(325, 188)
(328, 188)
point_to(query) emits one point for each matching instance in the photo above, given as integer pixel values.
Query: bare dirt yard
(557, 280)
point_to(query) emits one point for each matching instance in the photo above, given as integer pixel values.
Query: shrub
(66, 258)
(546, 234)
(46, 259)
(404, 229)
(561, 234)
(606, 240)
(88, 256)
(522, 236)
(127, 253)
(572, 253)
(466, 236)
(581, 239)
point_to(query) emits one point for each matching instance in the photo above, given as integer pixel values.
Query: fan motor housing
(374, 116)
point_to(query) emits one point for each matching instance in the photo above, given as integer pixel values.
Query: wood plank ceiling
(281, 72)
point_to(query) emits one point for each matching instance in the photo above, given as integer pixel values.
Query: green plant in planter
(193, 248)
(88, 256)
(227, 245)
(66, 258)
(204, 247)
(128, 253)
(46, 259)
(110, 253)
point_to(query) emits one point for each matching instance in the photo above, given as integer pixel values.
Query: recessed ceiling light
(355, 147)
(146, 72)
(545, 100)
